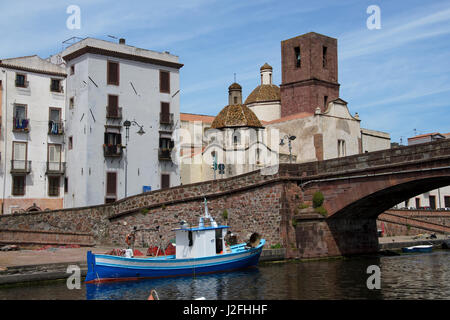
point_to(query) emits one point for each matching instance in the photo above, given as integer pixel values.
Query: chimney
(122, 41)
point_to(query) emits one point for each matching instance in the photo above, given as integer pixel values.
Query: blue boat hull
(103, 268)
(423, 250)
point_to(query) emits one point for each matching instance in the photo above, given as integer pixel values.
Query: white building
(32, 104)
(434, 199)
(107, 84)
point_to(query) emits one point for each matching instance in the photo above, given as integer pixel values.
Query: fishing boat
(199, 249)
(420, 248)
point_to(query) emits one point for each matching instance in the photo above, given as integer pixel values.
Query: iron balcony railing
(164, 154)
(114, 150)
(57, 168)
(166, 118)
(21, 124)
(21, 166)
(56, 128)
(113, 112)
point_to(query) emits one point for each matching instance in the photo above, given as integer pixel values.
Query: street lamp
(127, 124)
(290, 138)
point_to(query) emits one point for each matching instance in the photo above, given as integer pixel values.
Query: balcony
(165, 154)
(56, 128)
(20, 166)
(55, 168)
(112, 150)
(113, 112)
(21, 124)
(166, 118)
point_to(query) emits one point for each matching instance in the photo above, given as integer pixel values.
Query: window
(432, 200)
(447, 201)
(406, 203)
(54, 157)
(341, 148)
(164, 81)
(298, 59)
(53, 186)
(325, 100)
(18, 186)
(165, 181)
(19, 156)
(111, 187)
(72, 69)
(165, 116)
(71, 102)
(235, 100)
(113, 138)
(113, 73)
(236, 137)
(113, 106)
(417, 203)
(324, 57)
(20, 121)
(70, 143)
(21, 80)
(55, 85)
(66, 184)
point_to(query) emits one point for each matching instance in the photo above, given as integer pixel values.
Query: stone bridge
(356, 190)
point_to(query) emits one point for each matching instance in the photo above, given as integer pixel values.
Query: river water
(408, 276)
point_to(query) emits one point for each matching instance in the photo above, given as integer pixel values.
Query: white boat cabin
(200, 241)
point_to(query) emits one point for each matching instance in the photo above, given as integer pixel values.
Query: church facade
(302, 120)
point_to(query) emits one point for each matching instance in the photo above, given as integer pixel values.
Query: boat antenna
(206, 208)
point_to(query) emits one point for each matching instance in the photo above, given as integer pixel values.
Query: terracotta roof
(237, 115)
(424, 135)
(264, 93)
(196, 117)
(266, 66)
(290, 117)
(235, 86)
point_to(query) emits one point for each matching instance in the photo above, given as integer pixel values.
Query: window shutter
(113, 101)
(111, 183)
(165, 107)
(113, 73)
(106, 137)
(164, 81)
(165, 181)
(119, 139)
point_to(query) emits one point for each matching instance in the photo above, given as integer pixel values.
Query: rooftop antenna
(114, 37)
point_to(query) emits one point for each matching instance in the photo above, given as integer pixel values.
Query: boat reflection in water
(211, 286)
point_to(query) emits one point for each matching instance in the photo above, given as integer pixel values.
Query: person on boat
(130, 238)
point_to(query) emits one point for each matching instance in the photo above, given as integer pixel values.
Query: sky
(396, 77)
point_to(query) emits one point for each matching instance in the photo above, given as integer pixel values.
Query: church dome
(264, 93)
(236, 115)
(265, 66)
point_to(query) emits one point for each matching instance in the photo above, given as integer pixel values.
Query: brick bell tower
(309, 73)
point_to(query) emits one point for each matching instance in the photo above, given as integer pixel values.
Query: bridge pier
(318, 236)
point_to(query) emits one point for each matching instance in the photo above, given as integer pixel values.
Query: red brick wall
(303, 88)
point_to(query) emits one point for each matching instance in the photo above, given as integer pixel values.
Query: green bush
(275, 246)
(225, 214)
(303, 206)
(144, 211)
(294, 222)
(317, 199)
(321, 210)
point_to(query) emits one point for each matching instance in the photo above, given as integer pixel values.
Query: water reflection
(412, 276)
